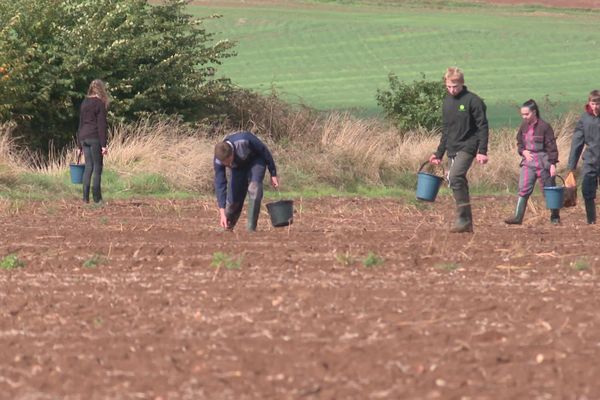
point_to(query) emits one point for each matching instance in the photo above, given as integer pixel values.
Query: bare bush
(269, 116)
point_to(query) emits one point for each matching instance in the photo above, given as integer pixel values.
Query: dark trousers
(457, 177)
(92, 153)
(589, 185)
(246, 180)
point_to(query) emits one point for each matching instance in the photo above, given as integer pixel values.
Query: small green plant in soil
(346, 259)
(223, 260)
(581, 264)
(372, 260)
(93, 261)
(448, 266)
(11, 261)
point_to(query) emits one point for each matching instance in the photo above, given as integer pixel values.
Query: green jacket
(464, 125)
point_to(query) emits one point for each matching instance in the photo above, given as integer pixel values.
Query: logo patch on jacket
(461, 107)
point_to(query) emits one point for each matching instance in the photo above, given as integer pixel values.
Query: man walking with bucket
(587, 134)
(248, 158)
(464, 138)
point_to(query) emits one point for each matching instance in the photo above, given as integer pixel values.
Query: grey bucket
(281, 212)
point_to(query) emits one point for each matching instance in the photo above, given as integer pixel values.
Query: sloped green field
(333, 56)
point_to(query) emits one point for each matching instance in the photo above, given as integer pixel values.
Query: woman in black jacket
(91, 137)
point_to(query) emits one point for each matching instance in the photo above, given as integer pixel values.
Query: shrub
(155, 59)
(268, 115)
(413, 106)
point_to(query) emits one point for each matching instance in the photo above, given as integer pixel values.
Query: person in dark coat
(91, 138)
(587, 133)
(464, 138)
(537, 145)
(248, 158)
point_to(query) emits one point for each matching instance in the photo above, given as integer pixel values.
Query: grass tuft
(581, 264)
(94, 261)
(447, 266)
(372, 260)
(10, 262)
(223, 260)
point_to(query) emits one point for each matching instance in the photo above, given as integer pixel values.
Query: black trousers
(92, 153)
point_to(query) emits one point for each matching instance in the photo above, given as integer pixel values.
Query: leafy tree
(155, 59)
(414, 105)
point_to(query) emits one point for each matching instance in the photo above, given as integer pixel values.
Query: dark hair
(532, 105)
(223, 151)
(594, 96)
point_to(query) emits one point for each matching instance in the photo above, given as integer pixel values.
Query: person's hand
(434, 160)
(552, 170)
(482, 158)
(104, 151)
(223, 218)
(275, 181)
(527, 155)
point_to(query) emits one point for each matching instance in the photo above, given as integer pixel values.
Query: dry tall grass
(168, 148)
(9, 159)
(336, 150)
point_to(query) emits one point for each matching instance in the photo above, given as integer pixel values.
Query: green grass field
(335, 56)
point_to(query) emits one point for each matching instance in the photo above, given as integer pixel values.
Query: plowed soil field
(357, 299)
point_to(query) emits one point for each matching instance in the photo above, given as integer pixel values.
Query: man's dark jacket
(464, 125)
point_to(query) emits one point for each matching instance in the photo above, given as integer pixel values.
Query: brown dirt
(504, 313)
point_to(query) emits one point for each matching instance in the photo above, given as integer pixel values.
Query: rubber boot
(233, 212)
(590, 211)
(555, 216)
(255, 195)
(253, 213)
(97, 194)
(86, 193)
(464, 221)
(517, 219)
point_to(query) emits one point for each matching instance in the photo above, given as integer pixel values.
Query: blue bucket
(555, 196)
(76, 171)
(428, 185)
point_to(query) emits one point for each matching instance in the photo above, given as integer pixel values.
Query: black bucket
(281, 212)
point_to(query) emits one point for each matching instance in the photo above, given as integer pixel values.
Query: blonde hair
(454, 74)
(98, 89)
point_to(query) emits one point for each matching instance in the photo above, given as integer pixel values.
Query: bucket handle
(561, 178)
(78, 157)
(427, 162)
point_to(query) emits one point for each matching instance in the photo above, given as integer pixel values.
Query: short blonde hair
(454, 74)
